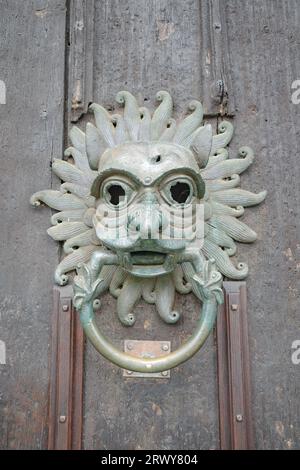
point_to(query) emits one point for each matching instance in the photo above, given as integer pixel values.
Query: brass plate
(147, 349)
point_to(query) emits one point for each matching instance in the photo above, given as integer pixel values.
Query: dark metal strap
(66, 383)
(236, 429)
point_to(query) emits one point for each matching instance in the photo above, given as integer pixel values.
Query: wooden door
(240, 59)
(31, 135)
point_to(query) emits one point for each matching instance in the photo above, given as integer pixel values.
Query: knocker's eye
(117, 193)
(179, 191)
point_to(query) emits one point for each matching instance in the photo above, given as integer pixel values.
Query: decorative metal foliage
(224, 201)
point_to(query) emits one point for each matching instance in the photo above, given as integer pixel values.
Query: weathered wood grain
(264, 40)
(216, 78)
(80, 44)
(31, 126)
(147, 45)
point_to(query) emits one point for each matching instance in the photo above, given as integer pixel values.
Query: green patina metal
(132, 177)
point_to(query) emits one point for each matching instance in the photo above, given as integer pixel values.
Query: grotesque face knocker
(149, 206)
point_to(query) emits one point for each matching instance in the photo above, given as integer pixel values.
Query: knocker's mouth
(147, 263)
(148, 257)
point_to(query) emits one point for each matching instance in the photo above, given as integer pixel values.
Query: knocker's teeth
(169, 263)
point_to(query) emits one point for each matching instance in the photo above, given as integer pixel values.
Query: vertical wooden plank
(65, 411)
(264, 38)
(32, 36)
(145, 46)
(81, 33)
(236, 427)
(66, 386)
(217, 86)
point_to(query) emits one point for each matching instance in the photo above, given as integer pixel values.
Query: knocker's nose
(148, 218)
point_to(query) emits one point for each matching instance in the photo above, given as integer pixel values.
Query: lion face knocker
(148, 207)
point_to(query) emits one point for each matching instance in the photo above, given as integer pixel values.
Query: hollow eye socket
(116, 194)
(179, 192)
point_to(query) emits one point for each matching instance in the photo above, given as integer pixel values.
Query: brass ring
(103, 345)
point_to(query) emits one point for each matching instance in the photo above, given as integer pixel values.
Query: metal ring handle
(126, 361)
